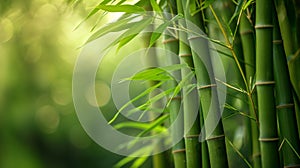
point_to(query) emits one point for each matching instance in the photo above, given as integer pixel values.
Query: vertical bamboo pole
(171, 45)
(191, 136)
(206, 86)
(264, 84)
(248, 42)
(285, 105)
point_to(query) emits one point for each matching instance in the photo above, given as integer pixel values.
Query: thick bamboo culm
(265, 85)
(192, 145)
(206, 86)
(171, 45)
(285, 104)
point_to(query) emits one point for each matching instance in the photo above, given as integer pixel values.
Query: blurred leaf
(247, 4)
(156, 7)
(148, 105)
(112, 27)
(161, 28)
(121, 8)
(156, 74)
(147, 91)
(138, 162)
(143, 151)
(154, 124)
(134, 31)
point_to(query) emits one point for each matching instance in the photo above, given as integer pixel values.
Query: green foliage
(246, 79)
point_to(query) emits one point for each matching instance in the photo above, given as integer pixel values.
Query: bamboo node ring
(265, 83)
(215, 137)
(268, 139)
(178, 151)
(175, 98)
(292, 166)
(256, 155)
(277, 41)
(185, 55)
(263, 26)
(281, 106)
(170, 40)
(192, 136)
(246, 32)
(206, 86)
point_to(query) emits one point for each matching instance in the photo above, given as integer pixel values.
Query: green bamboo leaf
(93, 12)
(139, 161)
(138, 125)
(181, 84)
(147, 91)
(121, 8)
(112, 27)
(247, 4)
(161, 28)
(161, 73)
(147, 105)
(156, 74)
(156, 7)
(157, 122)
(133, 32)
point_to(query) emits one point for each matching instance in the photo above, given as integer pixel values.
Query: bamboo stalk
(158, 160)
(208, 93)
(191, 136)
(285, 106)
(264, 84)
(171, 45)
(248, 42)
(291, 44)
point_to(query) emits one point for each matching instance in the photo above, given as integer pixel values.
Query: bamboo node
(281, 106)
(263, 26)
(178, 151)
(246, 32)
(192, 136)
(268, 139)
(277, 41)
(169, 40)
(292, 166)
(206, 86)
(256, 155)
(185, 55)
(175, 98)
(265, 83)
(215, 137)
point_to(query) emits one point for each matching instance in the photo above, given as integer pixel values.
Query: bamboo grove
(258, 43)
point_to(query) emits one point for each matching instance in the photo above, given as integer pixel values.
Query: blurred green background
(38, 50)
